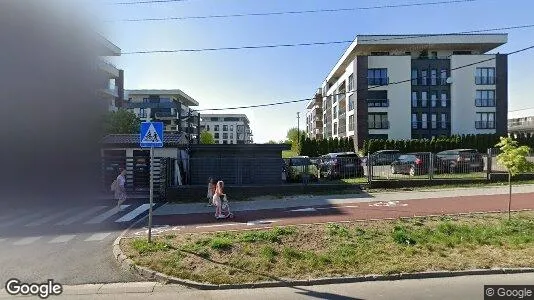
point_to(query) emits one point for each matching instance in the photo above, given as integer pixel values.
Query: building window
(225, 142)
(208, 127)
(351, 83)
(444, 99)
(434, 55)
(351, 123)
(231, 127)
(335, 128)
(225, 127)
(433, 98)
(414, 99)
(145, 100)
(231, 142)
(225, 135)
(414, 121)
(216, 128)
(443, 77)
(334, 112)
(485, 76)
(424, 98)
(351, 103)
(231, 136)
(433, 77)
(377, 76)
(414, 76)
(142, 113)
(378, 121)
(216, 141)
(216, 135)
(443, 121)
(424, 75)
(485, 120)
(485, 98)
(434, 120)
(424, 121)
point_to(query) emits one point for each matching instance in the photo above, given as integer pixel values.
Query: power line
(295, 12)
(144, 2)
(324, 43)
(363, 89)
(521, 109)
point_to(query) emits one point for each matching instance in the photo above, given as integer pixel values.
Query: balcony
(485, 124)
(485, 80)
(377, 103)
(379, 125)
(108, 68)
(153, 105)
(485, 102)
(165, 116)
(111, 91)
(378, 81)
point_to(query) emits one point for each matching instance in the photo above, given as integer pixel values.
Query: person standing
(120, 190)
(211, 191)
(217, 199)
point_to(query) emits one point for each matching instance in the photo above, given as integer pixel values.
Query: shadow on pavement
(322, 295)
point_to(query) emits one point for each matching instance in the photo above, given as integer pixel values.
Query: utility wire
(144, 2)
(295, 12)
(325, 43)
(357, 90)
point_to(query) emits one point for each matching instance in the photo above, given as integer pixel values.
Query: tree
(293, 137)
(121, 122)
(514, 159)
(272, 142)
(206, 138)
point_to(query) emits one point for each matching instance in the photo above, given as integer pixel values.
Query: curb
(149, 274)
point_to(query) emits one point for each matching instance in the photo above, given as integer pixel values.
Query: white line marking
(303, 209)
(98, 236)
(50, 217)
(220, 225)
(81, 215)
(106, 215)
(22, 219)
(260, 222)
(63, 238)
(325, 208)
(26, 241)
(351, 206)
(134, 213)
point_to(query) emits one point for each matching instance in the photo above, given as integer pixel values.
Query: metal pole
(151, 194)
(298, 128)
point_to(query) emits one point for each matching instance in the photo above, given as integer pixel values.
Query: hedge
(481, 142)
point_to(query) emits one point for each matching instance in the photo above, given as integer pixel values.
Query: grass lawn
(288, 153)
(313, 251)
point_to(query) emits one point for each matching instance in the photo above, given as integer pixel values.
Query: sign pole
(151, 194)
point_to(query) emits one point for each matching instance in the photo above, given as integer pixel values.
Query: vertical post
(151, 194)
(489, 162)
(369, 169)
(198, 128)
(431, 167)
(298, 129)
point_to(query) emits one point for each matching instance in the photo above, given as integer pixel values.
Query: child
(211, 190)
(217, 199)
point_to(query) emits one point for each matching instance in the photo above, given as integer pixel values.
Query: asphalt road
(360, 209)
(454, 288)
(69, 242)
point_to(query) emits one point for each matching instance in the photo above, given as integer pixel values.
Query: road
(69, 242)
(359, 209)
(466, 287)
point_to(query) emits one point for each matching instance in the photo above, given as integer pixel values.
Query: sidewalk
(308, 201)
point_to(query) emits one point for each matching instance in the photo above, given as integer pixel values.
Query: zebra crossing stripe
(97, 236)
(106, 215)
(22, 219)
(62, 238)
(81, 215)
(134, 213)
(26, 241)
(50, 217)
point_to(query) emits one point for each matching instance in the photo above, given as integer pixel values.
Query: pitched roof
(169, 140)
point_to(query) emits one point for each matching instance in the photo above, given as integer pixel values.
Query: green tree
(206, 138)
(121, 122)
(514, 158)
(269, 142)
(293, 137)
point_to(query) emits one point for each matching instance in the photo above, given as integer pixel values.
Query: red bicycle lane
(358, 211)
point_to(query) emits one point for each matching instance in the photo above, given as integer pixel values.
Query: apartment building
(417, 86)
(521, 121)
(314, 117)
(228, 128)
(111, 79)
(172, 107)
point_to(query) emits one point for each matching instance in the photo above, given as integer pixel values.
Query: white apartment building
(521, 121)
(110, 77)
(227, 128)
(172, 107)
(417, 86)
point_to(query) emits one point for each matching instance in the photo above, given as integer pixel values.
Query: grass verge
(314, 251)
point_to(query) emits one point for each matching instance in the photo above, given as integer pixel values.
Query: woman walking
(217, 201)
(120, 189)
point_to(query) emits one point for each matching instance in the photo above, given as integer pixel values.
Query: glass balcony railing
(485, 80)
(377, 103)
(485, 102)
(379, 125)
(377, 81)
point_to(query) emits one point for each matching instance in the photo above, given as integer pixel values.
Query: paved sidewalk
(464, 287)
(300, 201)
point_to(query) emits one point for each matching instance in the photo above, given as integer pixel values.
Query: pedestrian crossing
(55, 240)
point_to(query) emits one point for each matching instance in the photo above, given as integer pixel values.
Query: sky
(230, 78)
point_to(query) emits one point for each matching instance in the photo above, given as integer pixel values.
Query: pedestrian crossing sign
(151, 135)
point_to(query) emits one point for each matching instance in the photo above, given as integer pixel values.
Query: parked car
(414, 164)
(341, 165)
(462, 160)
(383, 157)
(299, 167)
